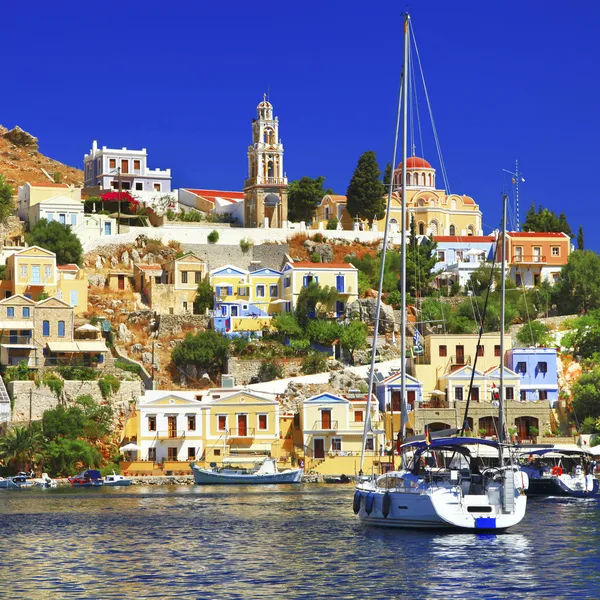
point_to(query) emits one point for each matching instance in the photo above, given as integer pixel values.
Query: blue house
(388, 392)
(537, 368)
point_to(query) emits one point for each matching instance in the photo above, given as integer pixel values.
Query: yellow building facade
(332, 206)
(33, 271)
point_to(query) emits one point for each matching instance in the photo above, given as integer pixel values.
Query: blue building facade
(388, 393)
(538, 370)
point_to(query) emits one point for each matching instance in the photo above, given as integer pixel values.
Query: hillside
(21, 161)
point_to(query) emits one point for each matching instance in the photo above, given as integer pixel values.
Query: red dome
(414, 162)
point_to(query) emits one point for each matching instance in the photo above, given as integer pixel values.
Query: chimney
(94, 148)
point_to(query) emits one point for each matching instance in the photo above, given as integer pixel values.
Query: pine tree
(304, 196)
(546, 220)
(366, 192)
(580, 241)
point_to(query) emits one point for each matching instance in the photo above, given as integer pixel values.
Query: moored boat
(115, 480)
(558, 472)
(88, 478)
(265, 472)
(24, 481)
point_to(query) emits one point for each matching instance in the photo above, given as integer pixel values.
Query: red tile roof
(210, 195)
(414, 162)
(68, 267)
(312, 265)
(464, 238)
(48, 184)
(537, 234)
(149, 267)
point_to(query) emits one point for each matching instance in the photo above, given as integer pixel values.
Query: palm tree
(19, 447)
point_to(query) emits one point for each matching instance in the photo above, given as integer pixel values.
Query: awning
(254, 447)
(63, 347)
(31, 346)
(87, 327)
(78, 346)
(16, 324)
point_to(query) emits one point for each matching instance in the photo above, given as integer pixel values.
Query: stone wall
(172, 324)
(244, 370)
(270, 256)
(30, 401)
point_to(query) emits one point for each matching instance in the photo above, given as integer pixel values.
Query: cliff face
(21, 161)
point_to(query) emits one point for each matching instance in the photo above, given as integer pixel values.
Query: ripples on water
(282, 542)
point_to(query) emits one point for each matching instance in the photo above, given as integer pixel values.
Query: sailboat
(450, 482)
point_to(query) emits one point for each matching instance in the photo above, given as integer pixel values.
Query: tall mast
(502, 295)
(381, 274)
(405, 70)
(517, 177)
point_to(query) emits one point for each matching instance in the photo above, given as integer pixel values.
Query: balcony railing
(265, 181)
(170, 434)
(245, 432)
(529, 258)
(321, 425)
(16, 339)
(460, 359)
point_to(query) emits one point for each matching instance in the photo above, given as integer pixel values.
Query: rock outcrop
(19, 137)
(365, 309)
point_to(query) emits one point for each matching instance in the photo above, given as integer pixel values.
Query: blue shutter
(305, 281)
(46, 328)
(229, 290)
(61, 329)
(218, 290)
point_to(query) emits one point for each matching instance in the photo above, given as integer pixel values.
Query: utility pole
(152, 365)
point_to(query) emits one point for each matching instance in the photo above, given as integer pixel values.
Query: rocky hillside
(21, 161)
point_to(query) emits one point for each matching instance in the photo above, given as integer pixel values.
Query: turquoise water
(284, 542)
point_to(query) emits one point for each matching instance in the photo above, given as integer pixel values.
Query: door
(326, 419)
(475, 394)
(121, 282)
(242, 425)
(35, 274)
(460, 355)
(319, 448)
(107, 228)
(172, 421)
(396, 401)
(411, 399)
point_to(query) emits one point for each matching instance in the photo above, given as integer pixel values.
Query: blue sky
(506, 80)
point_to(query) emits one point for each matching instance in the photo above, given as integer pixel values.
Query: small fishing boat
(263, 473)
(88, 478)
(25, 481)
(557, 472)
(116, 480)
(336, 479)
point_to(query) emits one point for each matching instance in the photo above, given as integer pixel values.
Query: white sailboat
(452, 482)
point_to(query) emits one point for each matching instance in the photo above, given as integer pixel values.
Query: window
(234, 310)
(112, 163)
(542, 367)
(287, 282)
(198, 277)
(137, 164)
(48, 272)
(62, 218)
(441, 255)
(171, 453)
(452, 230)
(185, 304)
(336, 444)
(497, 350)
(74, 300)
(46, 328)
(26, 312)
(339, 283)
(543, 394)
(152, 423)
(358, 416)
(260, 291)
(61, 329)
(274, 291)
(458, 393)
(443, 351)
(222, 423)
(523, 395)
(73, 219)
(370, 445)
(217, 452)
(152, 454)
(36, 274)
(262, 422)
(191, 453)
(536, 279)
(191, 420)
(243, 291)
(460, 255)
(510, 393)
(23, 271)
(521, 367)
(480, 350)
(10, 312)
(184, 278)
(50, 217)
(518, 280)
(125, 166)
(139, 186)
(156, 187)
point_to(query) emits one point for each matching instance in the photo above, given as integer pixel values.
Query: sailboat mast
(405, 70)
(502, 298)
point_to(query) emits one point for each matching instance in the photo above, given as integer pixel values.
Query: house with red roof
(230, 205)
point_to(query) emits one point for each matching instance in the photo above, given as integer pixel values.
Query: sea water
(295, 541)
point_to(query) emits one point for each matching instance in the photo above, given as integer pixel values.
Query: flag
(514, 180)
(416, 341)
(427, 436)
(495, 393)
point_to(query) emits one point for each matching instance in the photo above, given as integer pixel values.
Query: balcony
(265, 181)
(529, 259)
(241, 432)
(460, 360)
(321, 425)
(170, 434)
(25, 340)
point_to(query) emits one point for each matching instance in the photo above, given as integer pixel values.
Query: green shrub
(394, 298)
(213, 237)
(108, 385)
(54, 382)
(318, 237)
(332, 223)
(315, 257)
(269, 371)
(240, 345)
(246, 244)
(299, 345)
(127, 366)
(75, 373)
(19, 373)
(314, 362)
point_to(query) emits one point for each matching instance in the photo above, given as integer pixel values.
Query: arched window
(408, 179)
(429, 179)
(452, 230)
(424, 179)
(433, 226)
(270, 169)
(470, 230)
(421, 228)
(420, 202)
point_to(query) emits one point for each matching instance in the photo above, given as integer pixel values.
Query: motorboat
(336, 479)
(263, 472)
(24, 481)
(45, 482)
(88, 478)
(558, 472)
(115, 480)
(454, 483)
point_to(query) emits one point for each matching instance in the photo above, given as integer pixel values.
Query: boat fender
(369, 503)
(386, 505)
(356, 502)
(557, 471)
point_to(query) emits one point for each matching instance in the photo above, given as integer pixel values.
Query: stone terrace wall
(170, 324)
(270, 256)
(26, 394)
(244, 370)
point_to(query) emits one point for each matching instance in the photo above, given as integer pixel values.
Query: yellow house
(332, 205)
(33, 271)
(333, 428)
(341, 276)
(32, 194)
(241, 426)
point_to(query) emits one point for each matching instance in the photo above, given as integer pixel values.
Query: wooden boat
(265, 472)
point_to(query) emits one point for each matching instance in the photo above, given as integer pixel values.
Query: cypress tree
(580, 241)
(366, 192)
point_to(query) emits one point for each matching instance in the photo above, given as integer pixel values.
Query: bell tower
(266, 189)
